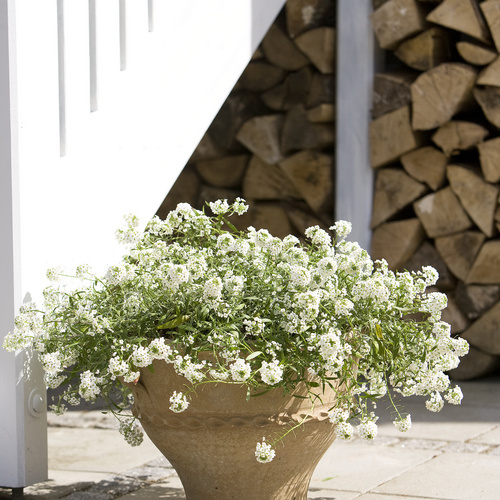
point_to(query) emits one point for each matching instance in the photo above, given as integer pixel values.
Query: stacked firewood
(272, 142)
(435, 145)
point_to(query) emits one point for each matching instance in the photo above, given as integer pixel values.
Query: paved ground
(453, 455)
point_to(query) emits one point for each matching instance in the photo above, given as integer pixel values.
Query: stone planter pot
(212, 443)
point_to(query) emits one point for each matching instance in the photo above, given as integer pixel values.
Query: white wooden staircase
(101, 104)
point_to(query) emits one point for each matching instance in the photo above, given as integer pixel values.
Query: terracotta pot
(212, 443)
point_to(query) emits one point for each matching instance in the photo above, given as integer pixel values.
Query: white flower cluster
(178, 402)
(403, 424)
(131, 431)
(264, 452)
(89, 388)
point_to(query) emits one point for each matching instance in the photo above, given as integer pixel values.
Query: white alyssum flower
(178, 402)
(344, 431)
(54, 274)
(318, 236)
(219, 207)
(141, 357)
(264, 452)
(212, 289)
(342, 228)
(118, 367)
(454, 396)
(51, 362)
(88, 388)
(158, 349)
(403, 424)
(367, 429)
(131, 431)
(240, 370)
(271, 373)
(435, 402)
(131, 376)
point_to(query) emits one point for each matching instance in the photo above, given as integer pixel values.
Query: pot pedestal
(212, 443)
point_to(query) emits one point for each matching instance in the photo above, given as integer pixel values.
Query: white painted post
(23, 422)
(355, 69)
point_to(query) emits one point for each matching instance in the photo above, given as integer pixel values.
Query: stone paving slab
(332, 495)
(358, 466)
(381, 496)
(491, 437)
(96, 450)
(451, 476)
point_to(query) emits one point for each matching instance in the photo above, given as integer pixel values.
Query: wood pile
(272, 142)
(435, 145)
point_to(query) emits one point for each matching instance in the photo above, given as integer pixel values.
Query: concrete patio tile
(441, 429)
(359, 466)
(382, 496)
(491, 437)
(170, 488)
(451, 476)
(332, 495)
(95, 450)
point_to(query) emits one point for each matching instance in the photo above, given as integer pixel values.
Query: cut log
(391, 91)
(394, 189)
(459, 251)
(474, 300)
(185, 190)
(397, 241)
(397, 20)
(484, 333)
(454, 317)
(426, 164)
(426, 50)
(476, 54)
(391, 136)
(323, 113)
(491, 12)
(319, 46)
(489, 157)
(301, 219)
(311, 173)
(441, 213)
(463, 16)
(270, 216)
(475, 364)
(427, 255)
(260, 76)
(261, 135)
(290, 92)
(302, 15)
(486, 267)
(479, 198)
(223, 172)
(236, 110)
(322, 90)
(299, 133)
(440, 93)
(456, 136)
(266, 182)
(489, 100)
(280, 50)
(207, 149)
(490, 75)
